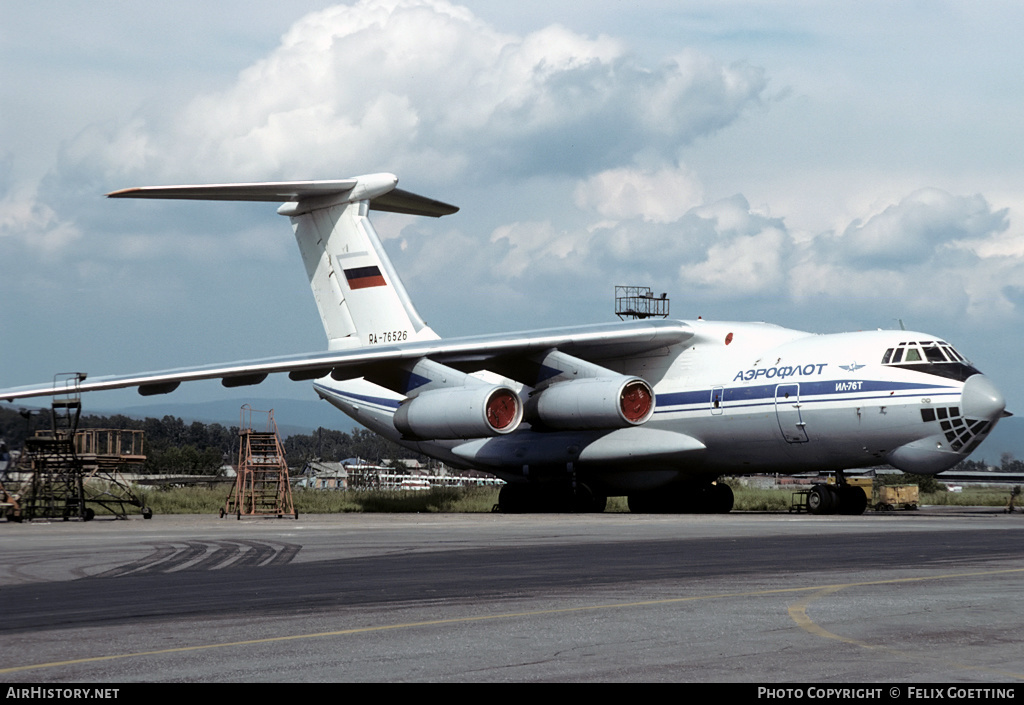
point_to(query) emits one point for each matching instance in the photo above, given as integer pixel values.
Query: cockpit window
(931, 357)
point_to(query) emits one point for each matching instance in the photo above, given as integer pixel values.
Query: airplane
(656, 410)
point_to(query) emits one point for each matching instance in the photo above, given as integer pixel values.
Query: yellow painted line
(798, 613)
(818, 591)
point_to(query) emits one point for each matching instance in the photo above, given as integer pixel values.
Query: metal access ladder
(261, 486)
(57, 489)
(72, 468)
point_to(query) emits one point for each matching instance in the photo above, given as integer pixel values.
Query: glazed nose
(981, 400)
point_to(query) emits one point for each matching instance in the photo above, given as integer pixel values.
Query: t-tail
(360, 296)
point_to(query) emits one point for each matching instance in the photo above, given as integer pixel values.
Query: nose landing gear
(836, 499)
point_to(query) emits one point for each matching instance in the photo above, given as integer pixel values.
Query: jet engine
(592, 403)
(460, 412)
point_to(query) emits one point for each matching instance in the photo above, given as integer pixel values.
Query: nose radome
(981, 400)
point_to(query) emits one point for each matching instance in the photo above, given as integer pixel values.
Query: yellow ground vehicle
(891, 497)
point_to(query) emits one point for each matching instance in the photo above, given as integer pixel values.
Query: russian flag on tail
(364, 277)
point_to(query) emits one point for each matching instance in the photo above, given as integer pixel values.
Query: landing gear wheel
(711, 498)
(521, 498)
(719, 499)
(820, 500)
(852, 500)
(586, 501)
(648, 503)
(515, 499)
(147, 513)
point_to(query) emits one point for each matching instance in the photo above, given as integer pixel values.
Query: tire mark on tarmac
(207, 555)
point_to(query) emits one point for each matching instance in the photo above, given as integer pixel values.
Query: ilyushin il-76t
(656, 410)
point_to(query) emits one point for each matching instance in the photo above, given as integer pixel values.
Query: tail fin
(361, 299)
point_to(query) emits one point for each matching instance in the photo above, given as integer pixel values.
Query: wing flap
(597, 342)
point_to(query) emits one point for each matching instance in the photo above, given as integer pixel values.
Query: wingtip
(122, 193)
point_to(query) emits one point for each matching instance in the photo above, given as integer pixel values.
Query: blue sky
(824, 166)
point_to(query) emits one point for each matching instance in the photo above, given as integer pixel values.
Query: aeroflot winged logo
(364, 277)
(852, 367)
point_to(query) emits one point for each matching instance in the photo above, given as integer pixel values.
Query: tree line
(176, 447)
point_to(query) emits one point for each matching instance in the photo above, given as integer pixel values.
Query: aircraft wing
(594, 342)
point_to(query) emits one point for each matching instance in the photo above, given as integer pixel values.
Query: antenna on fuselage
(902, 327)
(639, 302)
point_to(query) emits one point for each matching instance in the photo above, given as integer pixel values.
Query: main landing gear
(523, 498)
(709, 498)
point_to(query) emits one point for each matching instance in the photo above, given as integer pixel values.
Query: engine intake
(460, 412)
(592, 403)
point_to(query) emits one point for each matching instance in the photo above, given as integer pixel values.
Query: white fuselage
(747, 397)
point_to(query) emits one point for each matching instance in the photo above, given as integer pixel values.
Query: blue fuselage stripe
(809, 392)
(384, 404)
(738, 397)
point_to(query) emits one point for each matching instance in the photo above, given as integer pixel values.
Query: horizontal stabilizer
(379, 189)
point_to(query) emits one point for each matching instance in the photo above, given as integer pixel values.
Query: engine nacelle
(592, 403)
(460, 412)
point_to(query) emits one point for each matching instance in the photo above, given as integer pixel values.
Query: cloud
(747, 254)
(436, 94)
(915, 228)
(26, 221)
(932, 252)
(425, 87)
(660, 196)
(953, 259)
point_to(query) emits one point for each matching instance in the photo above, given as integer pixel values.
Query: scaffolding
(261, 486)
(71, 469)
(639, 302)
(106, 454)
(56, 489)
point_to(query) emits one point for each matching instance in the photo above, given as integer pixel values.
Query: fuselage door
(717, 400)
(787, 409)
